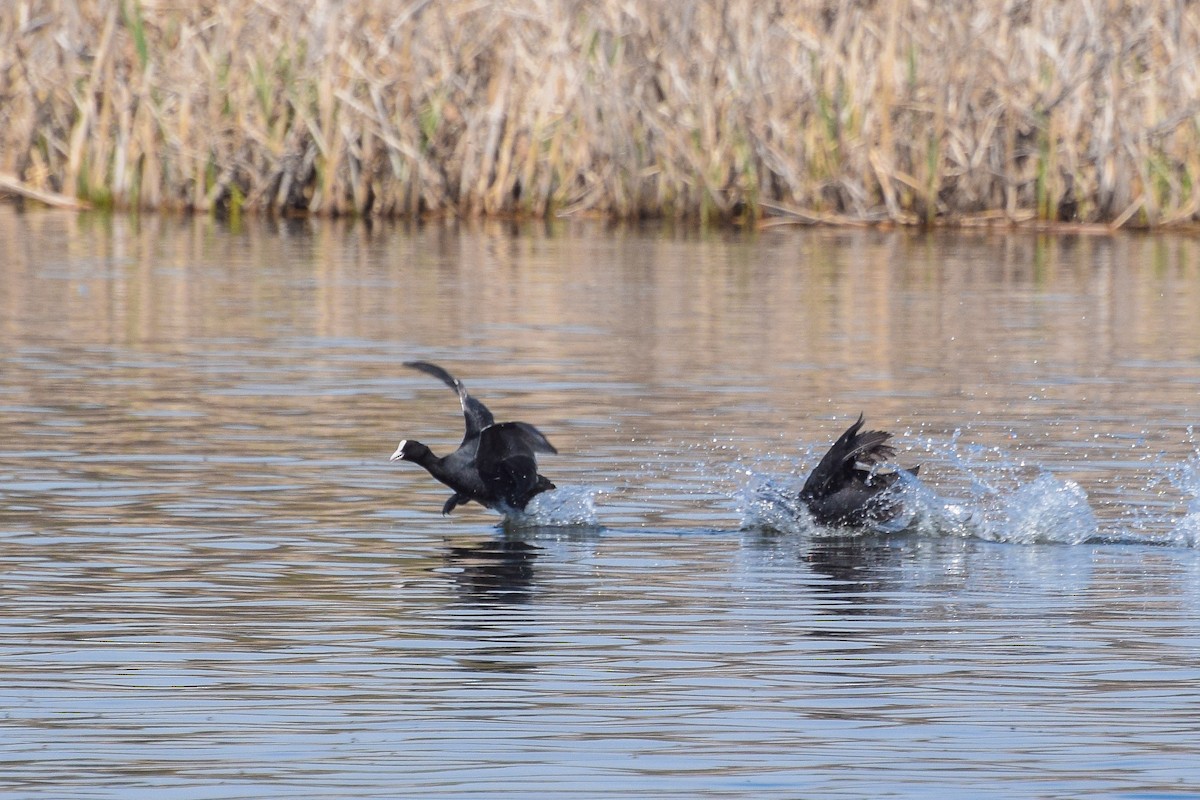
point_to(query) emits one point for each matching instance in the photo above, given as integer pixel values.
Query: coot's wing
(506, 463)
(475, 413)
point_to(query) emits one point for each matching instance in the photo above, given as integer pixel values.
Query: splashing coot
(495, 465)
(845, 490)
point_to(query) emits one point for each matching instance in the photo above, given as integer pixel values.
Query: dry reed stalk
(13, 186)
(913, 112)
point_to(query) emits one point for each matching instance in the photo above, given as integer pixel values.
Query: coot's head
(409, 450)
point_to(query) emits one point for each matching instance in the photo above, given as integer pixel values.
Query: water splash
(986, 493)
(1187, 480)
(561, 507)
(1046, 509)
(772, 503)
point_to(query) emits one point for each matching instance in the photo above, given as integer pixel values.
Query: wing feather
(475, 413)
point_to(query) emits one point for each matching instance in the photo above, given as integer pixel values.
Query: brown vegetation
(909, 111)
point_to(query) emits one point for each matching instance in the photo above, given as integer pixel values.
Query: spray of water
(561, 507)
(988, 494)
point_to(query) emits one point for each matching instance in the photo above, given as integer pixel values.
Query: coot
(844, 489)
(495, 465)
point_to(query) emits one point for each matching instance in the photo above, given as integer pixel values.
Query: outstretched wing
(851, 448)
(506, 462)
(475, 413)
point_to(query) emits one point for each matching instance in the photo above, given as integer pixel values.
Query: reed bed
(857, 111)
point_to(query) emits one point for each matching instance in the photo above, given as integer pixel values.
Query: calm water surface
(216, 586)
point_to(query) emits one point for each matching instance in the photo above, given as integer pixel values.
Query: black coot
(844, 490)
(495, 465)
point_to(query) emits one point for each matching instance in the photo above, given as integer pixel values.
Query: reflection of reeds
(902, 111)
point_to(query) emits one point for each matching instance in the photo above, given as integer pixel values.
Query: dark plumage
(843, 490)
(495, 465)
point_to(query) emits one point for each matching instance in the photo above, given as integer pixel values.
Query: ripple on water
(214, 585)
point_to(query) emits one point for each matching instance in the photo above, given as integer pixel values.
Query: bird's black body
(495, 465)
(844, 490)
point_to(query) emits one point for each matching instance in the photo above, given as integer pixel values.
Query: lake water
(215, 585)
